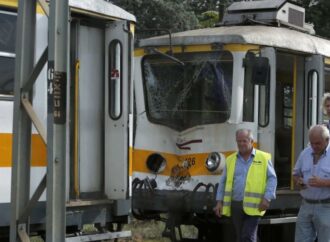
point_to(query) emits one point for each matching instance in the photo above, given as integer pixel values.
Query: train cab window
(7, 52)
(195, 93)
(115, 79)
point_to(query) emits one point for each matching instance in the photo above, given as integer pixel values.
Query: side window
(248, 99)
(312, 108)
(7, 52)
(115, 79)
(327, 78)
(257, 72)
(287, 105)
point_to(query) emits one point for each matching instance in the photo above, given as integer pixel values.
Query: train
(98, 116)
(261, 68)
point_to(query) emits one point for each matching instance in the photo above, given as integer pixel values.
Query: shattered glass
(196, 93)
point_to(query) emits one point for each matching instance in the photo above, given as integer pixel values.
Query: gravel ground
(144, 231)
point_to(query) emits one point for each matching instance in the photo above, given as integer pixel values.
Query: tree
(174, 15)
(317, 12)
(180, 15)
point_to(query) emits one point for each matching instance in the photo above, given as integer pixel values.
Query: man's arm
(318, 182)
(297, 175)
(220, 193)
(271, 185)
(218, 209)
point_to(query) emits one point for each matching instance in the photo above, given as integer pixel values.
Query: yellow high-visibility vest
(255, 186)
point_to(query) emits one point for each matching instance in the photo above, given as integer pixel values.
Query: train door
(118, 47)
(288, 128)
(298, 81)
(100, 55)
(90, 110)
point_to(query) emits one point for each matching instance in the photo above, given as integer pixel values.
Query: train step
(100, 236)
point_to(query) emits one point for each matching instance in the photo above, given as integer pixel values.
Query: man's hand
(218, 209)
(316, 181)
(264, 205)
(299, 181)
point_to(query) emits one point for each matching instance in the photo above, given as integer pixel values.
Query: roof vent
(267, 12)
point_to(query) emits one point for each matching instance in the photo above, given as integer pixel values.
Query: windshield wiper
(154, 50)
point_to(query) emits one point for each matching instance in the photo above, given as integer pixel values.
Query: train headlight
(156, 163)
(213, 161)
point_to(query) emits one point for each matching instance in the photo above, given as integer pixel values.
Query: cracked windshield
(197, 92)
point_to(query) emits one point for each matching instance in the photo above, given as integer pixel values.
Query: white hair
(319, 129)
(247, 131)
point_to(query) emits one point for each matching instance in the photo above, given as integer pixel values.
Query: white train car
(261, 69)
(98, 104)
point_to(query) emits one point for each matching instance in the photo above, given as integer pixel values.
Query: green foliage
(180, 15)
(174, 15)
(208, 19)
(317, 12)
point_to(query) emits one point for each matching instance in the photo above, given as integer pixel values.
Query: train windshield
(196, 93)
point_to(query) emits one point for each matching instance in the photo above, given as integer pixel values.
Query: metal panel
(116, 131)
(91, 108)
(266, 135)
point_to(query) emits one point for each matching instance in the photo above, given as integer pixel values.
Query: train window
(327, 78)
(257, 72)
(196, 93)
(7, 70)
(7, 52)
(312, 107)
(7, 32)
(287, 105)
(115, 79)
(248, 101)
(264, 95)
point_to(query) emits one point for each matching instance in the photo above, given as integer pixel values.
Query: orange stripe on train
(38, 153)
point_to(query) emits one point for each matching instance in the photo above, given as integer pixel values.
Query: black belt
(327, 200)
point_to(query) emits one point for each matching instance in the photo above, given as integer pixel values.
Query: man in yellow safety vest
(246, 187)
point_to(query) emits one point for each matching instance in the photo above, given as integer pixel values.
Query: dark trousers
(246, 226)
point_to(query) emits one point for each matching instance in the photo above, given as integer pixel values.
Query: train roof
(89, 7)
(259, 35)
(101, 7)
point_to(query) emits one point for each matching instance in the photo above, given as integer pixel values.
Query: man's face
(327, 107)
(244, 143)
(318, 143)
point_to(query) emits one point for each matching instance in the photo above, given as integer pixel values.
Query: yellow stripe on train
(14, 4)
(38, 151)
(199, 48)
(196, 162)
